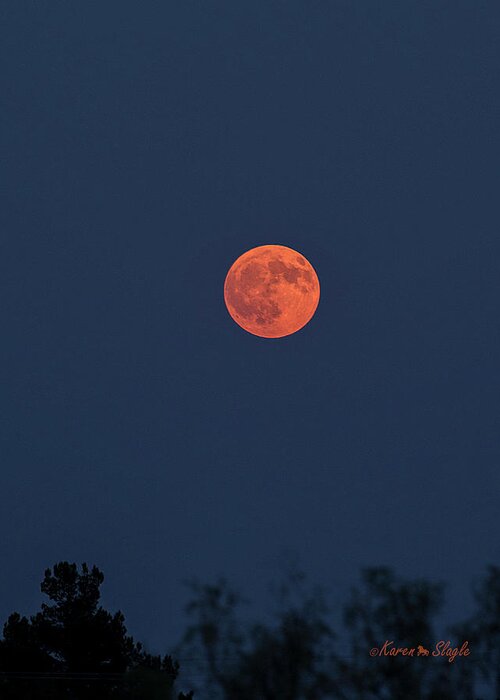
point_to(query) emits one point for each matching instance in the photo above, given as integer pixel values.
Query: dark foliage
(74, 649)
(299, 657)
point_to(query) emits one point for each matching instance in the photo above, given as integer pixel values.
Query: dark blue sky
(144, 147)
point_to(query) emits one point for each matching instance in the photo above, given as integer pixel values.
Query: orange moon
(271, 291)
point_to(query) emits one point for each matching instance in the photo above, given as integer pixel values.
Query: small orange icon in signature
(422, 651)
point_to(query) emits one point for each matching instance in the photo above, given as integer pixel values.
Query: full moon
(271, 291)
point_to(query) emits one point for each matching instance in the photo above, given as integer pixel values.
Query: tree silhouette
(482, 630)
(386, 608)
(297, 657)
(487, 627)
(286, 661)
(73, 648)
(213, 640)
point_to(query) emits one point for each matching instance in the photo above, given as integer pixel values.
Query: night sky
(145, 146)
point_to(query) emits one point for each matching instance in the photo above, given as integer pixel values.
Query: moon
(271, 291)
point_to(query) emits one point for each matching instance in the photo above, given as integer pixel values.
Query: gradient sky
(147, 145)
